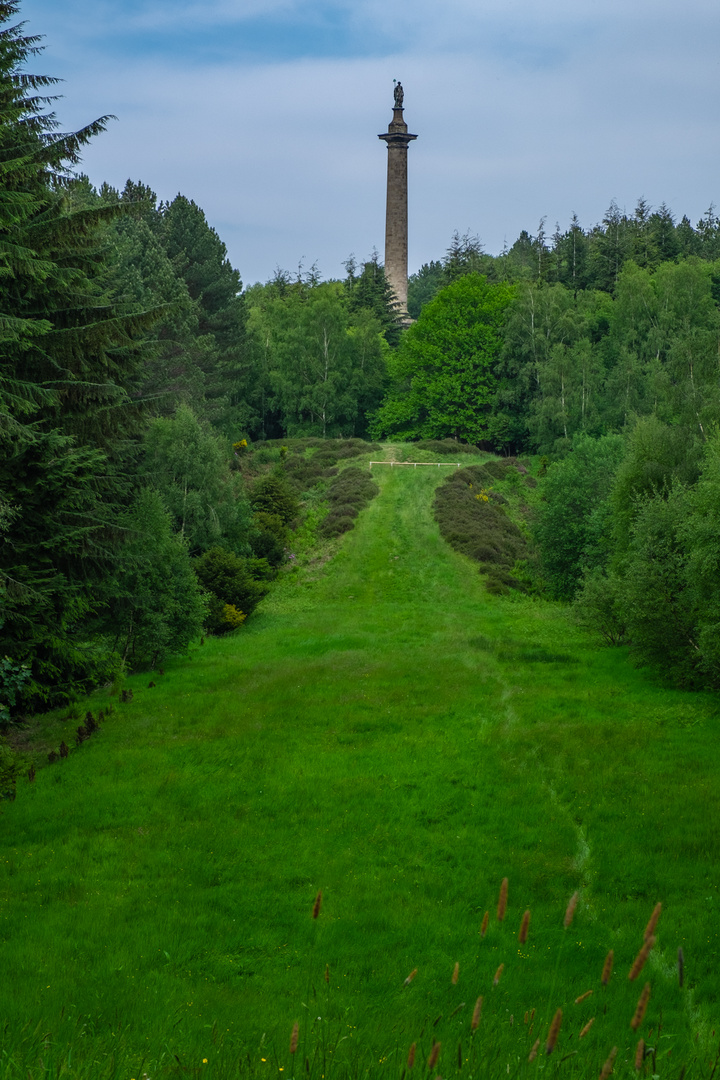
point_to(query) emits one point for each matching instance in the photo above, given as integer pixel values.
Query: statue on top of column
(399, 94)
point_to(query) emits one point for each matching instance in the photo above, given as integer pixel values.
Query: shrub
(474, 522)
(228, 580)
(268, 539)
(348, 493)
(272, 494)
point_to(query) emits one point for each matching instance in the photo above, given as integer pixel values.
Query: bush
(272, 494)
(268, 539)
(228, 580)
(349, 492)
(473, 521)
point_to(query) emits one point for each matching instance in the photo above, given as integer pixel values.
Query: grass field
(386, 732)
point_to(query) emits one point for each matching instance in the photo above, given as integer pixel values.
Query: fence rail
(450, 464)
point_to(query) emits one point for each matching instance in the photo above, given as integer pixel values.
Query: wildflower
(640, 1055)
(502, 900)
(434, 1055)
(641, 1007)
(641, 958)
(650, 928)
(607, 968)
(608, 1066)
(524, 926)
(553, 1032)
(570, 912)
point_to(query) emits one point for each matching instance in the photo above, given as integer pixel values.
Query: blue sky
(266, 112)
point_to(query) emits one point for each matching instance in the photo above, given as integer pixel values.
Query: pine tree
(67, 354)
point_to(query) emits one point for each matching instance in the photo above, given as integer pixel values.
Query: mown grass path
(386, 732)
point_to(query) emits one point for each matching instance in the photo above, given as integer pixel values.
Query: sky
(266, 113)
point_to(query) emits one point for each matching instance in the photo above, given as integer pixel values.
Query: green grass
(385, 731)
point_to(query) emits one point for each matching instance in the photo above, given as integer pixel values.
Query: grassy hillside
(385, 731)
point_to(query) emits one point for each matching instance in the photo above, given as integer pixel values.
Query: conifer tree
(67, 354)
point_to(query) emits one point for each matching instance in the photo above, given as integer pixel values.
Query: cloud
(282, 153)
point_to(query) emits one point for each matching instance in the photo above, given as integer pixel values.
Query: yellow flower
(204, 1061)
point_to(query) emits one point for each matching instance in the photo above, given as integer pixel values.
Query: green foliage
(190, 467)
(370, 291)
(10, 770)
(156, 607)
(13, 678)
(69, 353)
(473, 520)
(573, 523)
(443, 371)
(319, 358)
(384, 719)
(229, 582)
(271, 494)
(657, 456)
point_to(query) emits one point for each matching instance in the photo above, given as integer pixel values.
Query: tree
(190, 467)
(573, 526)
(370, 291)
(423, 286)
(199, 257)
(324, 365)
(68, 355)
(443, 371)
(155, 603)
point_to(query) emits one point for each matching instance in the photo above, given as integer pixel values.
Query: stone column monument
(396, 216)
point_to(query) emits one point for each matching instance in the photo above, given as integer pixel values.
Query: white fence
(450, 464)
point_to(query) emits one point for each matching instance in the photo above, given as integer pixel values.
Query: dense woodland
(136, 372)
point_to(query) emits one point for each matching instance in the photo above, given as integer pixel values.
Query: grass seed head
(498, 973)
(639, 1055)
(502, 900)
(455, 974)
(570, 910)
(434, 1055)
(582, 997)
(476, 1014)
(411, 1056)
(641, 1007)
(317, 905)
(641, 958)
(483, 928)
(410, 977)
(608, 1066)
(607, 968)
(294, 1037)
(524, 927)
(534, 1052)
(587, 1027)
(553, 1032)
(650, 928)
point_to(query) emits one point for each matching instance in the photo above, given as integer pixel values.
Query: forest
(137, 373)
